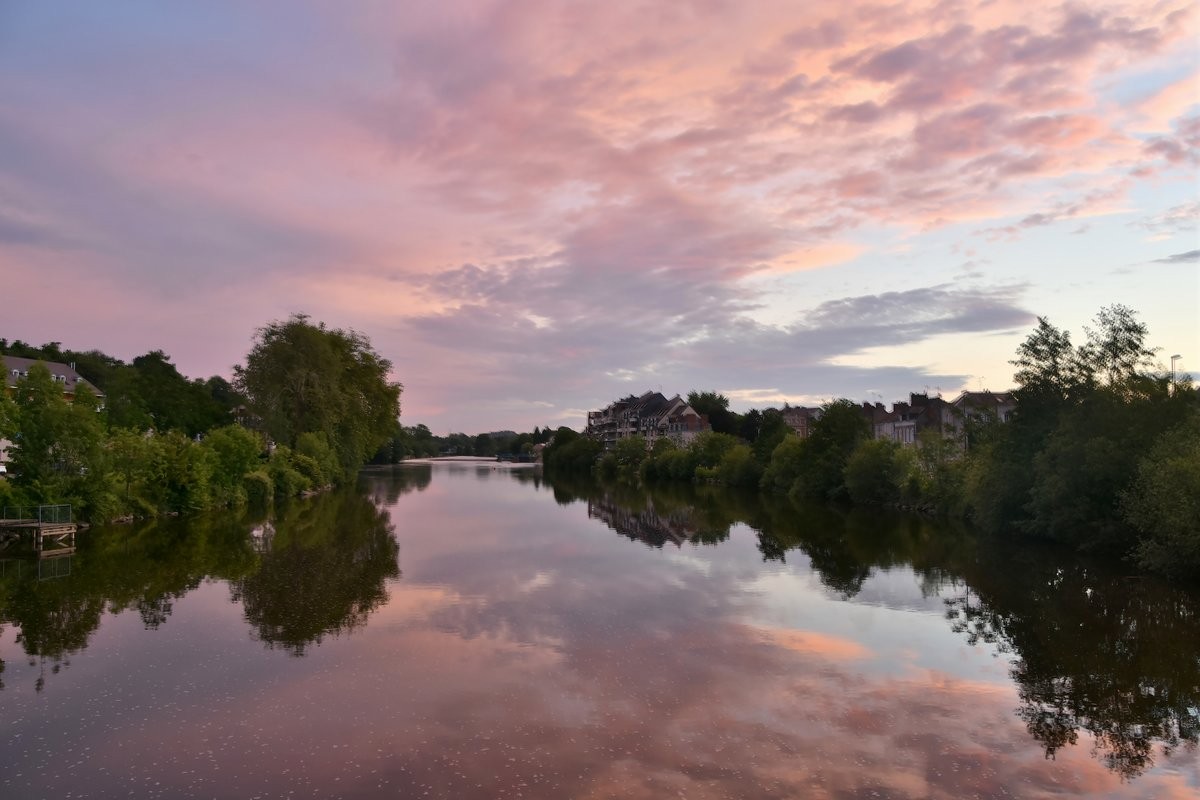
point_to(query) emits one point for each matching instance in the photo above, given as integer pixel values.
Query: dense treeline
(314, 403)
(148, 392)
(417, 441)
(1103, 453)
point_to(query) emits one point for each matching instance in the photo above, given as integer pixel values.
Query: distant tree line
(313, 403)
(1103, 453)
(148, 392)
(417, 441)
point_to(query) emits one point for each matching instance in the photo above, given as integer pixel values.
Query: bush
(1163, 503)
(316, 446)
(259, 488)
(784, 467)
(708, 448)
(571, 452)
(606, 467)
(287, 480)
(237, 452)
(874, 474)
(739, 467)
(183, 473)
(309, 468)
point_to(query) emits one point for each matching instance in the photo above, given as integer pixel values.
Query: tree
(171, 400)
(1163, 502)
(303, 378)
(1116, 348)
(830, 443)
(57, 453)
(716, 408)
(771, 431)
(483, 445)
(1049, 369)
(875, 472)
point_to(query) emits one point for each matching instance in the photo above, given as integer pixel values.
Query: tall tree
(1116, 348)
(305, 378)
(716, 407)
(58, 453)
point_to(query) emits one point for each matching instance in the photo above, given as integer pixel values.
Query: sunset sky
(533, 207)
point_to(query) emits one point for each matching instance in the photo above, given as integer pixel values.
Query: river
(457, 631)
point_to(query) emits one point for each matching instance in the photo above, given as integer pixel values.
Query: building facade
(651, 416)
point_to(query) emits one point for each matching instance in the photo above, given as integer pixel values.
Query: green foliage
(303, 378)
(876, 472)
(938, 475)
(831, 440)
(1163, 501)
(629, 454)
(785, 465)
(739, 467)
(771, 431)
(716, 407)
(1116, 349)
(1086, 420)
(570, 452)
(1049, 370)
(484, 446)
(58, 452)
(317, 448)
(287, 479)
(259, 488)
(182, 473)
(309, 468)
(236, 452)
(131, 461)
(150, 393)
(709, 447)
(606, 467)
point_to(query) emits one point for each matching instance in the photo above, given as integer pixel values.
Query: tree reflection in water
(1091, 648)
(322, 572)
(1114, 656)
(145, 567)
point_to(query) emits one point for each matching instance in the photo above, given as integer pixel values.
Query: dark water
(463, 632)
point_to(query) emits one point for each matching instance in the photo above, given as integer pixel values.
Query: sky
(534, 207)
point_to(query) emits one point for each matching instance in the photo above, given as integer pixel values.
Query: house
(907, 420)
(981, 407)
(990, 406)
(651, 416)
(15, 368)
(800, 419)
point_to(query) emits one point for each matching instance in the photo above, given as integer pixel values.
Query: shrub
(738, 467)
(287, 480)
(259, 487)
(309, 468)
(784, 466)
(874, 474)
(1163, 503)
(316, 446)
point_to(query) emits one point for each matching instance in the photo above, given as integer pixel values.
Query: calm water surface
(465, 632)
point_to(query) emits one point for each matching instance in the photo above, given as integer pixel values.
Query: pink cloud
(600, 149)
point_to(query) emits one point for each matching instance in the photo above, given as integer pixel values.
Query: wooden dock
(51, 528)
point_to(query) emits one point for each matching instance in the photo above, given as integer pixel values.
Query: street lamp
(1174, 358)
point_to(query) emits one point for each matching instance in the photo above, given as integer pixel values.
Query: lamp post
(1174, 358)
